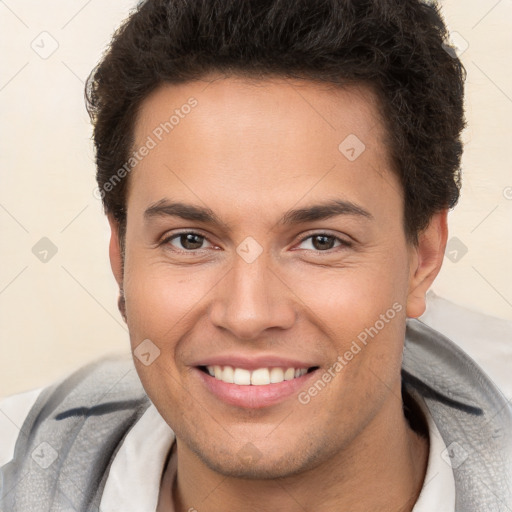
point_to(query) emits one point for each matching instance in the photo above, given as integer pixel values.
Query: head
(276, 176)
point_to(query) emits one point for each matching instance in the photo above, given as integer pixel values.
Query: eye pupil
(191, 241)
(323, 242)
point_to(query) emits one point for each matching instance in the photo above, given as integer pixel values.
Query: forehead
(267, 106)
(258, 137)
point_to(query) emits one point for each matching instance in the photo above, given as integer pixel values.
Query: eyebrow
(165, 208)
(324, 211)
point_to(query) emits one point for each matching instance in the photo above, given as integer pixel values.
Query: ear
(116, 263)
(425, 260)
(114, 250)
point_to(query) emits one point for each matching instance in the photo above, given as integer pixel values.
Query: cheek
(348, 300)
(159, 298)
(362, 311)
(160, 307)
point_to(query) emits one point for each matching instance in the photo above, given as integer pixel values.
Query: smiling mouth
(257, 377)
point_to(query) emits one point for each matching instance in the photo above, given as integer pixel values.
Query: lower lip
(253, 397)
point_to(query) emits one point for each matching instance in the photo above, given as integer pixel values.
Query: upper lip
(253, 362)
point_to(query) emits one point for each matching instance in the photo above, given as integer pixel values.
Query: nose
(251, 299)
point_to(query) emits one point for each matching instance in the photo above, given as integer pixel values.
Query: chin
(253, 464)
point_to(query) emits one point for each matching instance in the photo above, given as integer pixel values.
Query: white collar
(133, 482)
(438, 491)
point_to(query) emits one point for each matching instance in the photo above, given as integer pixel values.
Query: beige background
(56, 315)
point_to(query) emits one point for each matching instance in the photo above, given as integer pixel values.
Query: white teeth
(242, 377)
(259, 377)
(289, 374)
(276, 375)
(228, 374)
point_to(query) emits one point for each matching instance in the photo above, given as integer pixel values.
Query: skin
(250, 151)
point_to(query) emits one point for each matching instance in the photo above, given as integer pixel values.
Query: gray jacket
(72, 433)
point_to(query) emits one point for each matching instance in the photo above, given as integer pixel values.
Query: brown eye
(187, 241)
(323, 242)
(191, 241)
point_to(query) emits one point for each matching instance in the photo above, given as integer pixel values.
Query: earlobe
(116, 262)
(425, 263)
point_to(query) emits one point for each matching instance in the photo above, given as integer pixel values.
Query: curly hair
(397, 47)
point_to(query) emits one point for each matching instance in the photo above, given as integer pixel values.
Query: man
(277, 177)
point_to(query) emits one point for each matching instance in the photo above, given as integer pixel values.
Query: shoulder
(486, 339)
(13, 411)
(473, 416)
(80, 420)
(84, 391)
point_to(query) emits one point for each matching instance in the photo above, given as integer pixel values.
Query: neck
(379, 463)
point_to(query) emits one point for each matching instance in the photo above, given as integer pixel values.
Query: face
(265, 232)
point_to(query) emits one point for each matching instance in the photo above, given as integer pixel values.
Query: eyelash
(342, 243)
